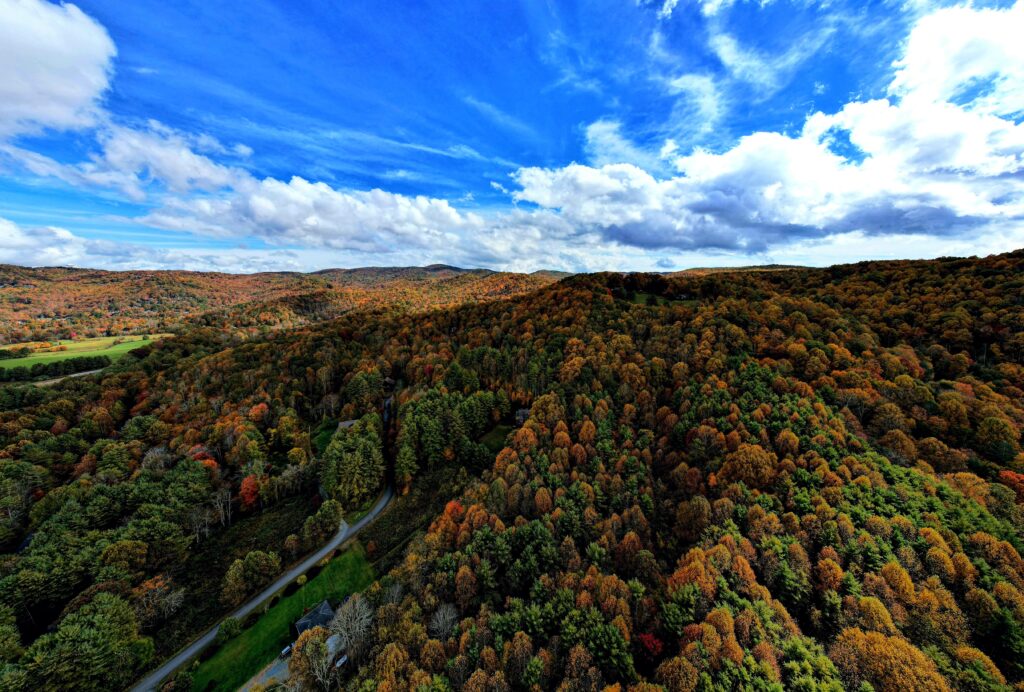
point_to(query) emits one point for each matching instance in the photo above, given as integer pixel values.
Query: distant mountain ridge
(39, 303)
(725, 270)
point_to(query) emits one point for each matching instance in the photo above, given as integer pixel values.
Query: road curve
(345, 532)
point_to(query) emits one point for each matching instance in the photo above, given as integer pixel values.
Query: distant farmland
(100, 346)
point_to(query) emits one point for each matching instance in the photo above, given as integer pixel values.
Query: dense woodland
(799, 479)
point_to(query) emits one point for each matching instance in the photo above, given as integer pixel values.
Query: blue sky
(512, 135)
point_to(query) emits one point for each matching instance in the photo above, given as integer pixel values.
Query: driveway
(345, 532)
(277, 672)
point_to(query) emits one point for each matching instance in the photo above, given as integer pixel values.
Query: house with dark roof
(521, 416)
(319, 616)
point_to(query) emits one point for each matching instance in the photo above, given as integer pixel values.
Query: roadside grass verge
(245, 655)
(323, 433)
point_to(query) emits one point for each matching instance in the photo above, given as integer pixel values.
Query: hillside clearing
(100, 346)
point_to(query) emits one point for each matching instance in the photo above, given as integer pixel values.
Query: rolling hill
(63, 303)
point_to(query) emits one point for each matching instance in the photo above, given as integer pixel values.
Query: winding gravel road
(55, 380)
(152, 680)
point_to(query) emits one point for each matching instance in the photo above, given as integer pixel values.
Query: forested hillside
(63, 303)
(796, 479)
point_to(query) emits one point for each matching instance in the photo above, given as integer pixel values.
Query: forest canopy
(799, 479)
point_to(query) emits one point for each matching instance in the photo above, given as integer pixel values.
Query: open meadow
(47, 352)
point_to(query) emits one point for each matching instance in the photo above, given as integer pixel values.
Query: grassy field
(100, 346)
(245, 655)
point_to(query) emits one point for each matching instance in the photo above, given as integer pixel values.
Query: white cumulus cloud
(50, 246)
(132, 160)
(314, 214)
(46, 246)
(962, 53)
(55, 65)
(605, 143)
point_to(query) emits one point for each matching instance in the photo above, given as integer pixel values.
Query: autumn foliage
(798, 479)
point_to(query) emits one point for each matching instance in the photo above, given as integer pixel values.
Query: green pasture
(100, 346)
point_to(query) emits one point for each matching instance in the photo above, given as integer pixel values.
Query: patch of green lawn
(494, 439)
(649, 299)
(245, 655)
(100, 346)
